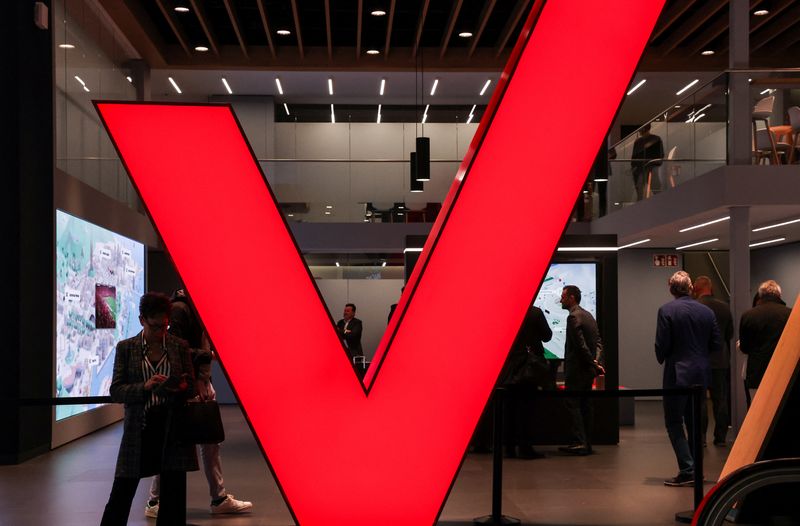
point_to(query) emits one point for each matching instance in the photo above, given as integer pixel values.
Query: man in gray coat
(582, 349)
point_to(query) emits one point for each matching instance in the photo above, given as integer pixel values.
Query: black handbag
(534, 371)
(198, 422)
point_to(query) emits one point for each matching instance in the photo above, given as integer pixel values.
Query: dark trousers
(720, 391)
(581, 411)
(678, 420)
(517, 414)
(172, 505)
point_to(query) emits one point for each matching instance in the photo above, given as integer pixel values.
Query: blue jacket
(686, 334)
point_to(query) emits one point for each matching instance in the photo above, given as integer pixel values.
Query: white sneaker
(151, 511)
(231, 505)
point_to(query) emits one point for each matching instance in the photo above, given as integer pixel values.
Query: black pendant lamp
(416, 184)
(423, 159)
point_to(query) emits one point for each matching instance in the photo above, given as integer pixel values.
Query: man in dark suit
(703, 291)
(759, 331)
(581, 351)
(686, 335)
(349, 329)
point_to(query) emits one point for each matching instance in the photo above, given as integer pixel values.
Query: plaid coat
(127, 386)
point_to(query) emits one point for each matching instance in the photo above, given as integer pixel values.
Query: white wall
(642, 290)
(778, 263)
(372, 298)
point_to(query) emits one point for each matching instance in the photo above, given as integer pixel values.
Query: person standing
(184, 323)
(703, 291)
(350, 329)
(581, 351)
(152, 373)
(526, 368)
(760, 330)
(686, 335)
(648, 151)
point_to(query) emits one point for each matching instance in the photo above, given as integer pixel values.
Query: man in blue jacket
(686, 334)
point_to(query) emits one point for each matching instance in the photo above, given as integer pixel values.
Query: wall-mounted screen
(559, 275)
(100, 276)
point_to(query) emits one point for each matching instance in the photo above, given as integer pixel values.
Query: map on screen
(584, 275)
(100, 277)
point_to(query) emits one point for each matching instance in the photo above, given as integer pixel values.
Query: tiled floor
(619, 485)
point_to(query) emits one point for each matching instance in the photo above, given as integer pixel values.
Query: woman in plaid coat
(152, 372)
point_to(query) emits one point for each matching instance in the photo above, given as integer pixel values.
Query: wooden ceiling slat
(513, 22)
(484, 18)
(175, 29)
(328, 28)
(451, 25)
(678, 35)
(296, 16)
(420, 25)
(265, 22)
(670, 16)
(359, 28)
(235, 23)
(773, 31)
(203, 19)
(761, 21)
(389, 25)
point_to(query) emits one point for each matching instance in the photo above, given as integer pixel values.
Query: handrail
(660, 113)
(733, 488)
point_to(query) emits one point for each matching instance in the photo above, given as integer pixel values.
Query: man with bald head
(720, 388)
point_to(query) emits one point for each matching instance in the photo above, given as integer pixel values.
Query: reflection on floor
(618, 485)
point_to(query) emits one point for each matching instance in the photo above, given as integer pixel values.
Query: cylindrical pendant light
(423, 159)
(416, 184)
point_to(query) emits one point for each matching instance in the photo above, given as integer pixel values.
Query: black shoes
(576, 450)
(682, 479)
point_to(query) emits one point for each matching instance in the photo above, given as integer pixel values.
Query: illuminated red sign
(388, 453)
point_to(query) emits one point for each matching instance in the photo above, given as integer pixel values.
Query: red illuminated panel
(388, 456)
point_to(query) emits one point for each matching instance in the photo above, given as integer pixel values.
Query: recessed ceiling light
(337, 264)
(182, 9)
(776, 225)
(383, 264)
(435, 85)
(290, 215)
(227, 86)
(707, 241)
(686, 87)
(383, 87)
(286, 109)
(485, 87)
(327, 213)
(373, 52)
(283, 32)
(378, 12)
(129, 79)
(707, 223)
(330, 85)
(202, 49)
(761, 12)
(66, 46)
(637, 86)
(707, 52)
(767, 242)
(465, 34)
(328, 206)
(278, 83)
(174, 85)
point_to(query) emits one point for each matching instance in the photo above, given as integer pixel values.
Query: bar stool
(794, 122)
(762, 111)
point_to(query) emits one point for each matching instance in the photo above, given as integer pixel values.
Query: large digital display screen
(559, 275)
(100, 276)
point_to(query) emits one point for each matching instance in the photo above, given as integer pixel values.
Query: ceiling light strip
(587, 249)
(707, 223)
(330, 85)
(776, 225)
(174, 85)
(485, 87)
(767, 242)
(227, 86)
(333, 116)
(435, 85)
(686, 87)
(637, 86)
(278, 83)
(640, 242)
(383, 87)
(697, 244)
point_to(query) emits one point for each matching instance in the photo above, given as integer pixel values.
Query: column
(739, 104)
(741, 300)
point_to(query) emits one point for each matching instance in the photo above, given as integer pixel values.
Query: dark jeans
(582, 412)
(172, 505)
(720, 390)
(677, 414)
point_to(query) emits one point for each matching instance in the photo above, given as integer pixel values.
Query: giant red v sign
(387, 454)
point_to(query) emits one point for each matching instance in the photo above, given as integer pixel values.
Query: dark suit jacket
(759, 331)
(533, 332)
(352, 338)
(686, 334)
(581, 348)
(127, 386)
(722, 313)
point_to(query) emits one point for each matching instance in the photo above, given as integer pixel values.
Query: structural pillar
(739, 102)
(741, 300)
(140, 73)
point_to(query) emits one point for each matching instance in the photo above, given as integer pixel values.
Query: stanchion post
(698, 397)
